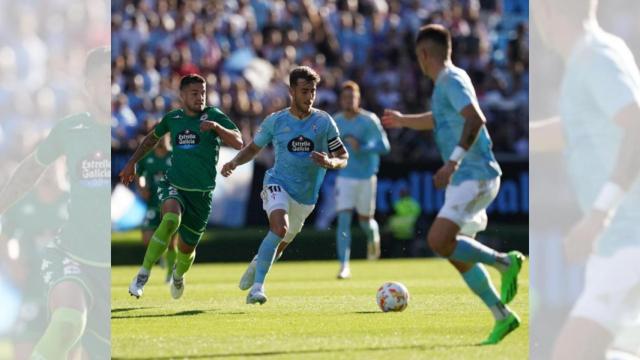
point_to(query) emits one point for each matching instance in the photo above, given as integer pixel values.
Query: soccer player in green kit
(76, 264)
(151, 170)
(196, 131)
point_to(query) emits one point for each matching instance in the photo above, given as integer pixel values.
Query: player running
(196, 132)
(306, 142)
(470, 175)
(151, 170)
(365, 141)
(76, 264)
(598, 131)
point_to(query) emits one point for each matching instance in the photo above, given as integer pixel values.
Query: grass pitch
(311, 315)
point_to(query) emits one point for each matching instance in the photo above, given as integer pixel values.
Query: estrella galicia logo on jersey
(94, 170)
(300, 146)
(187, 139)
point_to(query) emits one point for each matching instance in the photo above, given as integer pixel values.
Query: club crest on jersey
(204, 117)
(94, 170)
(300, 146)
(187, 139)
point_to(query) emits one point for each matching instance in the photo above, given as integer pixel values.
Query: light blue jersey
(601, 79)
(454, 91)
(293, 141)
(365, 127)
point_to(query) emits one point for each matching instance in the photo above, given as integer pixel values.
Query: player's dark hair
(351, 85)
(191, 79)
(96, 58)
(437, 34)
(303, 72)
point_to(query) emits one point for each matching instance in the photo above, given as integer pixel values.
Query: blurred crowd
(245, 49)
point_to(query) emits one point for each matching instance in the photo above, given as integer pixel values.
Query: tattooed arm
(128, 173)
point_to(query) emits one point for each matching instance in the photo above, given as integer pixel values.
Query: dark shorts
(59, 267)
(196, 208)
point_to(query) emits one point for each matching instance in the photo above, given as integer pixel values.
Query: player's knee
(171, 221)
(279, 229)
(69, 324)
(436, 243)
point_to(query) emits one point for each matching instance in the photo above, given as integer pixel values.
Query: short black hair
(191, 79)
(438, 34)
(96, 58)
(303, 72)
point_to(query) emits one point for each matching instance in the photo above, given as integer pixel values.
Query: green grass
(311, 315)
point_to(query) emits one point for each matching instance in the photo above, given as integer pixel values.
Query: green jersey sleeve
(51, 147)
(162, 127)
(221, 118)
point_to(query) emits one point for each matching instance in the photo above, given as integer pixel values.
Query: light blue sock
(479, 282)
(371, 230)
(266, 253)
(471, 251)
(343, 236)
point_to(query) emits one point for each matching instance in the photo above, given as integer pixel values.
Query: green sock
(184, 262)
(160, 238)
(171, 259)
(64, 330)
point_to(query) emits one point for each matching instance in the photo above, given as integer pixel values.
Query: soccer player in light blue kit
(470, 175)
(598, 128)
(306, 143)
(356, 184)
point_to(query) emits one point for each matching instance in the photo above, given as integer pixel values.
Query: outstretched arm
(22, 180)
(128, 173)
(546, 135)
(245, 155)
(231, 137)
(395, 119)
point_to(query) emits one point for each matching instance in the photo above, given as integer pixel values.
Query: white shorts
(274, 197)
(356, 193)
(611, 291)
(466, 203)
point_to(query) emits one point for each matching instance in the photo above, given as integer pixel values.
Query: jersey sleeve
(459, 92)
(51, 147)
(222, 119)
(162, 127)
(264, 135)
(613, 81)
(333, 136)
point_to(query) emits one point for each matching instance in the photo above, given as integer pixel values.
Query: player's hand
(208, 125)
(128, 174)
(353, 143)
(578, 244)
(392, 119)
(322, 159)
(227, 169)
(442, 178)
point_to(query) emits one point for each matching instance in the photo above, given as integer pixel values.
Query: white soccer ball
(392, 296)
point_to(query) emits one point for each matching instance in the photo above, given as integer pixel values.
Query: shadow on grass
(181, 313)
(117, 310)
(310, 351)
(368, 312)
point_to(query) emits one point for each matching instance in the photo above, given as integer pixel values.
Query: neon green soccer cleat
(509, 285)
(501, 329)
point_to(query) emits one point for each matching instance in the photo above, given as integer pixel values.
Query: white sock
(257, 287)
(143, 271)
(500, 311)
(502, 262)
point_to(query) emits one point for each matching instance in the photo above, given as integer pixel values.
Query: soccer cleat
(373, 250)
(176, 287)
(502, 328)
(249, 275)
(137, 285)
(345, 273)
(256, 296)
(509, 283)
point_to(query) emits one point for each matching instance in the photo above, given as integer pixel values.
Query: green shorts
(196, 208)
(152, 218)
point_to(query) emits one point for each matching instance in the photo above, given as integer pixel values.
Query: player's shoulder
(455, 75)
(213, 112)
(369, 115)
(600, 47)
(274, 116)
(75, 121)
(322, 115)
(174, 114)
